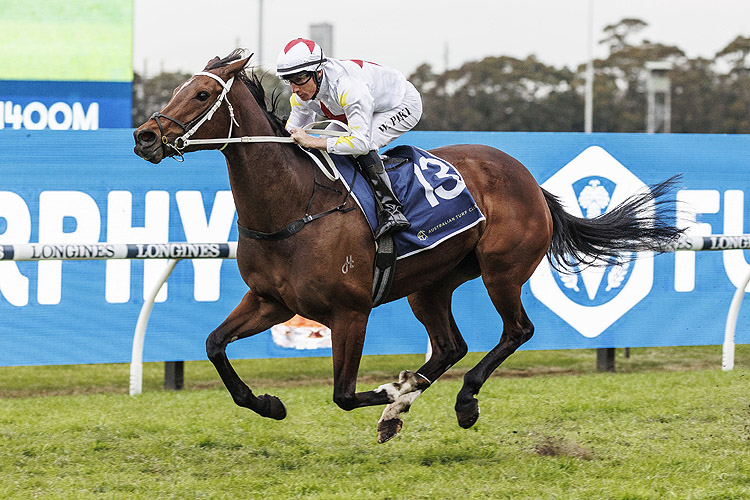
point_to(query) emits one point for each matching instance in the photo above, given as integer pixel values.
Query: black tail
(643, 222)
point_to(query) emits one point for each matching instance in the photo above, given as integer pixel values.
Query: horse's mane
(254, 84)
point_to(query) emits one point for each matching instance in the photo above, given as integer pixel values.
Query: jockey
(377, 103)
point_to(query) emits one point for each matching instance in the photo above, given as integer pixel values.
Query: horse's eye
(202, 95)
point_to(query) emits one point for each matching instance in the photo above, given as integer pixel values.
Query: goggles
(299, 79)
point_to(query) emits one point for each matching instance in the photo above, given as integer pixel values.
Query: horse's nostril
(146, 137)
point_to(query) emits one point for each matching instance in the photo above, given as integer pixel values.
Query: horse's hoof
(271, 407)
(467, 414)
(387, 429)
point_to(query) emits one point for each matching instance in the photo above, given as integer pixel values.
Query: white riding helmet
(299, 55)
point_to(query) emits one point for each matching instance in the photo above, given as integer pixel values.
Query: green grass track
(668, 424)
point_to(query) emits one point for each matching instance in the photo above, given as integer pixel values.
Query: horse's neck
(268, 180)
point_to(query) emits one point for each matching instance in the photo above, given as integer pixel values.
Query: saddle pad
(432, 192)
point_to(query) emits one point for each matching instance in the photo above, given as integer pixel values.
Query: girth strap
(293, 227)
(385, 261)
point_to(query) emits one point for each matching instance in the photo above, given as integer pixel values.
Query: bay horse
(302, 274)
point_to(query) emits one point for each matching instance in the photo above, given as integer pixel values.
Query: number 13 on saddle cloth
(433, 195)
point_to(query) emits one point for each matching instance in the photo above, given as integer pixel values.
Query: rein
(180, 143)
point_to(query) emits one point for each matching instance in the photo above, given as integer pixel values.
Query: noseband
(180, 143)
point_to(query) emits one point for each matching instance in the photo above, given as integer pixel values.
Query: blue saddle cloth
(432, 192)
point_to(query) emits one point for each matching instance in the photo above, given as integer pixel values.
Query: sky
(182, 35)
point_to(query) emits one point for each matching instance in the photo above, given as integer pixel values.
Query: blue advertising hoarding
(65, 187)
(34, 105)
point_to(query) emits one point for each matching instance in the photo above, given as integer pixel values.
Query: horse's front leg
(347, 341)
(348, 335)
(253, 315)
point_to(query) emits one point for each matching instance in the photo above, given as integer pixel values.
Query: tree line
(503, 93)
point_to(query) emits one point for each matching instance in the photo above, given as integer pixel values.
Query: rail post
(605, 359)
(136, 360)
(174, 375)
(727, 350)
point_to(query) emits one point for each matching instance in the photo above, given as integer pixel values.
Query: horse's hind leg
(517, 329)
(432, 307)
(253, 315)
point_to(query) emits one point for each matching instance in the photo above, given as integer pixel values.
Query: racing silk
(351, 92)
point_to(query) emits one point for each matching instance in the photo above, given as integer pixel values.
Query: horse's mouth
(153, 155)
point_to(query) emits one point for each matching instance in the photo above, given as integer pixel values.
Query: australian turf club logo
(590, 301)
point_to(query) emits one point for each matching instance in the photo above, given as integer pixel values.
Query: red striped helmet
(299, 55)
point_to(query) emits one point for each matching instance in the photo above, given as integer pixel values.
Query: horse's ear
(238, 65)
(211, 62)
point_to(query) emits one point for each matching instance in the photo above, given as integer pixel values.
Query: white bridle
(184, 141)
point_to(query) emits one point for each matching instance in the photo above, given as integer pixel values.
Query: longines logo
(593, 299)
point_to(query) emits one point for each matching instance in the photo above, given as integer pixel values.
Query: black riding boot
(390, 217)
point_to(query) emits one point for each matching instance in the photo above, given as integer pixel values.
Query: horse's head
(188, 114)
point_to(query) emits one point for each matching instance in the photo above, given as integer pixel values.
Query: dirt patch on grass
(61, 391)
(556, 447)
